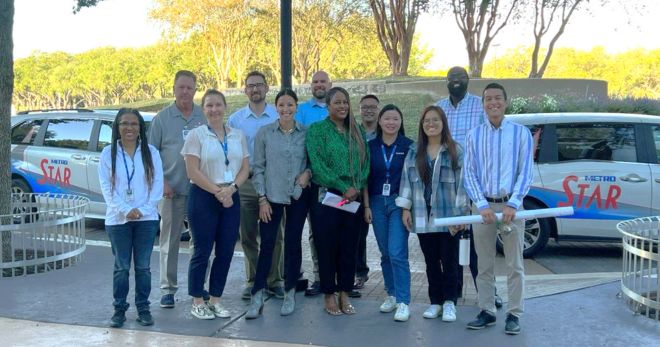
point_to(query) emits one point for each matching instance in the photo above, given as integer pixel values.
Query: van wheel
(20, 190)
(537, 232)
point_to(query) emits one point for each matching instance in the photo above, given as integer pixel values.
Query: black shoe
(314, 289)
(205, 295)
(144, 318)
(118, 319)
(354, 294)
(498, 301)
(512, 326)
(484, 319)
(277, 292)
(167, 301)
(247, 293)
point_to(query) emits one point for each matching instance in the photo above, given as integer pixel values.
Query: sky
(49, 25)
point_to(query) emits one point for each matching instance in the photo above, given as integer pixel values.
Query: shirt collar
(315, 103)
(505, 122)
(253, 115)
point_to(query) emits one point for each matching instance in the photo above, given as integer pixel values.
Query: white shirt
(468, 114)
(205, 145)
(144, 199)
(249, 123)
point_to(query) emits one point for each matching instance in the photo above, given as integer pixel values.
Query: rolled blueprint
(525, 214)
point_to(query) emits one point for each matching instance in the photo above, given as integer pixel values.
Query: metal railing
(640, 278)
(45, 232)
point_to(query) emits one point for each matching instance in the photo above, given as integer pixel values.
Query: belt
(498, 200)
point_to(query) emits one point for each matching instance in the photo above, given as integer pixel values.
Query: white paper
(333, 200)
(525, 214)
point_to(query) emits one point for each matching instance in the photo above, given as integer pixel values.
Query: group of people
(260, 174)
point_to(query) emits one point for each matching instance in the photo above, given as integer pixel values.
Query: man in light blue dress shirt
(315, 108)
(498, 172)
(250, 119)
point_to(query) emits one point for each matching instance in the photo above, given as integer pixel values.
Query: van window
(656, 139)
(613, 142)
(24, 133)
(69, 133)
(105, 135)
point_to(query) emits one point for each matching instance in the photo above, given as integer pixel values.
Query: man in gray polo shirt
(167, 133)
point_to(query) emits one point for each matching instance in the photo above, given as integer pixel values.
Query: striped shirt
(468, 114)
(447, 193)
(498, 162)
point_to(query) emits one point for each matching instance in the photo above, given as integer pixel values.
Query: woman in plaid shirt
(431, 188)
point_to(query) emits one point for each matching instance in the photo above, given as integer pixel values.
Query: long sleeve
(156, 193)
(322, 174)
(470, 167)
(404, 200)
(259, 163)
(460, 205)
(524, 170)
(112, 198)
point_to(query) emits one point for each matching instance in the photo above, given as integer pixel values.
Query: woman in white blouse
(131, 177)
(217, 164)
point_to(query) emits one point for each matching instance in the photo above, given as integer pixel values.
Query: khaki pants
(485, 237)
(172, 214)
(249, 234)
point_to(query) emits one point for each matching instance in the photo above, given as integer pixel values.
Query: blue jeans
(133, 239)
(392, 238)
(211, 225)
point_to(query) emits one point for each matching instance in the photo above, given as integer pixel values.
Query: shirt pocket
(447, 175)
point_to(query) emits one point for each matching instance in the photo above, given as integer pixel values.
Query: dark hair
(389, 107)
(494, 86)
(142, 142)
(370, 96)
(355, 134)
(255, 73)
(423, 142)
(185, 73)
(213, 92)
(286, 91)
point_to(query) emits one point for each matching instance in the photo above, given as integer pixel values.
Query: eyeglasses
(369, 107)
(129, 124)
(256, 85)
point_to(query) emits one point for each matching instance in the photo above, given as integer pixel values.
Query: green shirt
(328, 153)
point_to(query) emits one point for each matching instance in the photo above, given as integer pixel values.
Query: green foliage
(550, 104)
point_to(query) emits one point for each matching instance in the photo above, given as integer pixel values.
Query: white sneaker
(202, 311)
(388, 305)
(402, 313)
(219, 311)
(448, 311)
(432, 312)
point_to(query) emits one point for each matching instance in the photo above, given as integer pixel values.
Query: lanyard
(388, 161)
(224, 145)
(130, 177)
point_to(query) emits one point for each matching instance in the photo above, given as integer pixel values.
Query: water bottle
(464, 250)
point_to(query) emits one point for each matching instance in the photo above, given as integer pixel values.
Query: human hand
(351, 194)
(265, 212)
(367, 215)
(168, 193)
(134, 214)
(407, 219)
(303, 179)
(488, 216)
(508, 214)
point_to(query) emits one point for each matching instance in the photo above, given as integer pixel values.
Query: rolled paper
(525, 214)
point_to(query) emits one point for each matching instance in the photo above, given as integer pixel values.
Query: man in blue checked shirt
(497, 175)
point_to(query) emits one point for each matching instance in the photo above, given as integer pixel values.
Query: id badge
(184, 133)
(129, 194)
(386, 189)
(229, 176)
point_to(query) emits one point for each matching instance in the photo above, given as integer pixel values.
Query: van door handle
(78, 156)
(657, 180)
(95, 159)
(633, 178)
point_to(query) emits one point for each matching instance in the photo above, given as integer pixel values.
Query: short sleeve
(246, 153)
(193, 144)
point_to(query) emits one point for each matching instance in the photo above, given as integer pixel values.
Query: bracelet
(367, 207)
(233, 184)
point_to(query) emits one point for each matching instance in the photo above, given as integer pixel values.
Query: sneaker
(277, 292)
(388, 305)
(219, 311)
(202, 311)
(512, 326)
(432, 312)
(144, 318)
(314, 289)
(402, 313)
(354, 294)
(167, 301)
(118, 319)
(484, 319)
(448, 311)
(247, 293)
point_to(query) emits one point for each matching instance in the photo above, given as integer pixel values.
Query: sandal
(331, 307)
(346, 306)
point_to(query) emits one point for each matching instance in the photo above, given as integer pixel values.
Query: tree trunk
(6, 91)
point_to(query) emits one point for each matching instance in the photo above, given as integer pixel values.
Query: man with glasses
(250, 119)
(167, 133)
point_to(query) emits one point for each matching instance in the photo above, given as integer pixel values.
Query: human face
(457, 82)
(432, 124)
(390, 122)
(256, 89)
(214, 108)
(286, 107)
(494, 104)
(129, 127)
(338, 107)
(369, 110)
(184, 90)
(320, 85)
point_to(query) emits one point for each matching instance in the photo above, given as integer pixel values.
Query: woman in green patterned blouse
(339, 160)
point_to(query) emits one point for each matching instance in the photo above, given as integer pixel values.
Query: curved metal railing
(640, 278)
(45, 232)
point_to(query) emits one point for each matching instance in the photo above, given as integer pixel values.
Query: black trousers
(441, 256)
(361, 267)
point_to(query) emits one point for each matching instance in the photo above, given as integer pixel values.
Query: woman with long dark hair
(131, 176)
(431, 188)
(339, 160)
(388, 152)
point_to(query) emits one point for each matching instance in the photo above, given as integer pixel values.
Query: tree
(6, 91)
(480, 21)
(395, 24)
